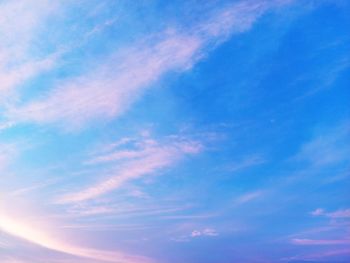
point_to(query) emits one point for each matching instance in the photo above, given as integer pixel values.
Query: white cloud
(317, 212)
(196, 233)
(206, 232)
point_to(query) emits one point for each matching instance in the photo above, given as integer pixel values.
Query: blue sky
(174, 131)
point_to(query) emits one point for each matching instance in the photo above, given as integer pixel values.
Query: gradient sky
(175, 131)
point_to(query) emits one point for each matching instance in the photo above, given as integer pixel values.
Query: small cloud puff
(205, 232)
(317, 212)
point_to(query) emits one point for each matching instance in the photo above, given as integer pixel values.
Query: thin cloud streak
(320, 255)
(248, 197)
(151, 159)
(312, 242)
(342, 213)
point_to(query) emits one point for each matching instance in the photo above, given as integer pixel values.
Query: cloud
(10, 78)
(247, 162)
(340, 214)
(109, 90)
(319, 255)
(327, 148)
(151, 157)
(317, 212)
(20, 23)
(190, 217)
(345, 213)
(31, 188)
(35, 235)
(311, 242)
(122, 211)
(8, 152)
(245, 198)
(196, 233)
(205, 232)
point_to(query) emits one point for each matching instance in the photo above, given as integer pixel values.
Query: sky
(176, 131)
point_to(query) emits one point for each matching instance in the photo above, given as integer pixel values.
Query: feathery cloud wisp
(110, 89)
(342, 213)
(145, 161)
(19, 24)
(311, 242)
(245, 198)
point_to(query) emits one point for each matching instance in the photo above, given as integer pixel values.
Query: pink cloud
(340, 214)
(345, 213)
(20, 22)
(306, 242)
(138, 163)
(109, 90)
(319, 255)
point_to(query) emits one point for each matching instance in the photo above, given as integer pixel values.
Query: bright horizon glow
(32, 234)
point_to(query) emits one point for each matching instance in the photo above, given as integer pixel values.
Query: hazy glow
(32, 234)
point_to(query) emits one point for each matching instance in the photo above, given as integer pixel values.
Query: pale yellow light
(32, 234)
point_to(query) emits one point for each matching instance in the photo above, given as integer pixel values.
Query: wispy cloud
(247, 162)
(20, 23)
(319, 255)
(120, 211)
(109, 90)
(311, 242)
(205, 232)
(8, 152)
(150, 157)
(342, 213)
(190, 216)
(248, 197)
(31, 188)
(327, 148)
